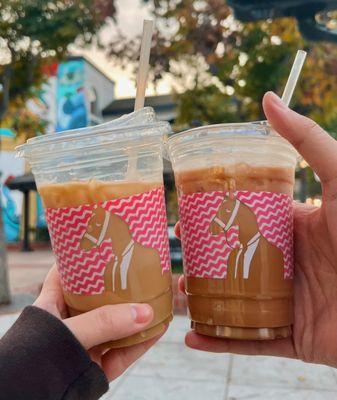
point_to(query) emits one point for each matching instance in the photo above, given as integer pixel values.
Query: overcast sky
(130, 21)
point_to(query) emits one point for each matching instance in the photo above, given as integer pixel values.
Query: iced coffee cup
(103, 194)
(235, 186)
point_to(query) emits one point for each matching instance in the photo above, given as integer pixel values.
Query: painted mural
(11, 201)
(70, 95)
(71, 108)
(10, 216)
(40, 215)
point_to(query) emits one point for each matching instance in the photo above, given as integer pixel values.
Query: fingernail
(276, 100)
(141, 313)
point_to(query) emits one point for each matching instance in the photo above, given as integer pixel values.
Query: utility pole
(5, 296)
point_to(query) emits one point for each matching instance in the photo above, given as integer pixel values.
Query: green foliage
(34, 33)
(222, 67)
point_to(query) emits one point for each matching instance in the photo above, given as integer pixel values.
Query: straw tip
(302, 52)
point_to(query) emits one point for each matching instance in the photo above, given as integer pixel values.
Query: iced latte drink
(104, 203)
(236, 226)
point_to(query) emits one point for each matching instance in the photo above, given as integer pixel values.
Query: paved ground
(26, 274)
(172, 371)
(28, 270)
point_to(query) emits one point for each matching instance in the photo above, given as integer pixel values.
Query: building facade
(74, 96)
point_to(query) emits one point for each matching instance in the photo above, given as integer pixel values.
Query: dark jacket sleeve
(41, 359)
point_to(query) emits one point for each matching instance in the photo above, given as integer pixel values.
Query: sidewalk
(26, 275)
(28, 270)
(171, 371)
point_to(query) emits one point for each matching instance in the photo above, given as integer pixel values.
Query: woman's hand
(315, 236)
(94, 328)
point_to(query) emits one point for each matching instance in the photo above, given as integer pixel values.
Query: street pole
(5, 296)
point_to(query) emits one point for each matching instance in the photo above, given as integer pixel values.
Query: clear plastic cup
(102, 189)
(235, 187)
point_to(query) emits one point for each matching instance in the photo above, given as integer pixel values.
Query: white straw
(144, 62)
(293, 77)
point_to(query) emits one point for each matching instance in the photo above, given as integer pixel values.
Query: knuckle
(329, 189)
(310, 124)
(310, 128)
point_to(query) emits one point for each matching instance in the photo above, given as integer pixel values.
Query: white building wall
(46, 109)
(104, 87)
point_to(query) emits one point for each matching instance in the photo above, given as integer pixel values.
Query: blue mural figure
(40, 215)
(71, 100)
(11, 220)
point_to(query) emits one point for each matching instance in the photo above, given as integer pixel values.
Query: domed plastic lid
(136, 126)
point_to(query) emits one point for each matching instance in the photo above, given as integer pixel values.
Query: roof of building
(98, 69)
(124, 106)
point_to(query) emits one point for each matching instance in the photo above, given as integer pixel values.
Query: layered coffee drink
(253, 299)
(235, 187)
(103, 194)
(104, 250)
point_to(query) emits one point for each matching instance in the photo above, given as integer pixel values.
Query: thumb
(110, 322)
(316, 146)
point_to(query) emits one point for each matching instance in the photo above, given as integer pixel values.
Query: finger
(177, 230)
(276, 347)
(96, 355)
(181, 284)
(110, 322)
(52, 281)
(51, 297)
(116, 361)
(317, 147)
(302, 210)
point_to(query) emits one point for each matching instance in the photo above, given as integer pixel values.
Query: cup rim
(262, 126)
(118, 123)
(116, 135)
(257, 131)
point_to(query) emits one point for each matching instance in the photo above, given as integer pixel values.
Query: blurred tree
(24, 122)
(32, 33)
(35, 31)
(222, 67)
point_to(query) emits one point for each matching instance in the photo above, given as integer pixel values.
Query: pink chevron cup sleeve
(84, 238)
(214, 224)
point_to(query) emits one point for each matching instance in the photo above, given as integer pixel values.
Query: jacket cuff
(49, 360)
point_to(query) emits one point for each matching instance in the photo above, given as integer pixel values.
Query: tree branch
(5, 80)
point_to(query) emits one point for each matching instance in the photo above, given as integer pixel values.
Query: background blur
(207, 67)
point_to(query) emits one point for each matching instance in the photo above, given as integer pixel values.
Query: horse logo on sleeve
(135, 269)
(251, 254)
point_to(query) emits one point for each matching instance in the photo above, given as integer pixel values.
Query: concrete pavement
(27, 272)
(171, 371)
